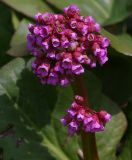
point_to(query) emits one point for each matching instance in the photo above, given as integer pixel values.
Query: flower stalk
(89, 147)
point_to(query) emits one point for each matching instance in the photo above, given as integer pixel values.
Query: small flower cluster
(80, 118)
(63, 43)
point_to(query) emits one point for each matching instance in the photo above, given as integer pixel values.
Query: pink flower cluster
(81, 118)
(63, 43)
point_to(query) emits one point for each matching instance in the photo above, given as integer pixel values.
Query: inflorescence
(81, 118)
(63, 43)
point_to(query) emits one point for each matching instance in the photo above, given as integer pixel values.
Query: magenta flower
(67, 42)
(80, 118)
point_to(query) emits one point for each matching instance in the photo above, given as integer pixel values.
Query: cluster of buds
(80, 118)
(63, 43)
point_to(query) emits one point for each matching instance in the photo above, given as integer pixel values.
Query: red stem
(88, 139)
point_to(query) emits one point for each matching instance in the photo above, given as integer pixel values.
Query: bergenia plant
(63, 44)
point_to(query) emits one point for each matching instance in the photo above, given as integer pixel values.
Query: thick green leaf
(5, 27)
(127, 153)
(60, 149)
(18, 42)
(105, 12)
(108, 141)
(6, 31)
(118, 12)
(60, 138)
(122, 44)
(15, 20)
(28, 7)
(25, 105)
(127, 147)
(129, 5)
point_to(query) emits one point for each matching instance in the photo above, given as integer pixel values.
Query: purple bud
(77, 69)
(81, 18)
(66, 120)
(64, 81)
(73, 24)
(103, 53)
(84, 30)
(88, 61)
(39, 41)
(89, 19)
(73, 127)
(74, 105)
(63, 121)
(87, 120)
(37, 16)
(80, 117)
(58, 68)
(95, 125)
(91, 37)
(72, 11)
(36, 52)
(105, 42)
(34, 65)
(97, 27)
(87, 128)
(82, 58)
(106, 117)
(73, 36)
(37, 30)
(31, 27)
(30, 42)
(73, 8)
(73, 46)
(53, 78)
(44, 31)
(43, 69)
(51, 54)
(67, 63)
(103, 60)
(72, 112)
(60, 29)
(97, 51)
(79, 99)
(65, 43)
(55, 42)
(45, 45)
(48, 18)
(31, 38)
(59, 17)
(93, 64)
(66, 9)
